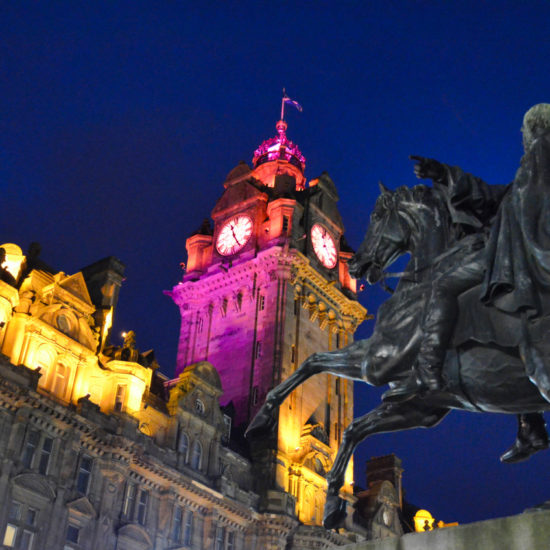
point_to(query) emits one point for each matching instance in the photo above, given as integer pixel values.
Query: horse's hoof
(262, 424)
(335, 512)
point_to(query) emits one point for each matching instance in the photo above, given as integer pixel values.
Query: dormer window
(119, 398)
(199, 407)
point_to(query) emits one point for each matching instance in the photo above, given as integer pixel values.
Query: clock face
(324, 246)
(234, 235)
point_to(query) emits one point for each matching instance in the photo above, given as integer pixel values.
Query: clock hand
(234, 236)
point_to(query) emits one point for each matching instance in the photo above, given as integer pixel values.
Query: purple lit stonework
(279, 148)
(260, 295)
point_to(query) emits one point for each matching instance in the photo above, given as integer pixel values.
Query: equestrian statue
(466, 325)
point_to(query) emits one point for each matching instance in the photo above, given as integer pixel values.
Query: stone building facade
(99, 450)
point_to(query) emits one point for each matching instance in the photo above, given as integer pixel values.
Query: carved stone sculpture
(494, 356)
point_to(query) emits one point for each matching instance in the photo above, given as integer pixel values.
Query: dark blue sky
(120, 121)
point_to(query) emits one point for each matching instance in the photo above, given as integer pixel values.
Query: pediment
(67, 320)
(136, 534)
(82, 507)
(76, 285)
(237, 194)
(35, 484)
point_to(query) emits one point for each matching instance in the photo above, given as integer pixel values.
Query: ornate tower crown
(278, 156)
(279, 148)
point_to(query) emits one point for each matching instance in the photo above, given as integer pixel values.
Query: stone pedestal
(527, 531)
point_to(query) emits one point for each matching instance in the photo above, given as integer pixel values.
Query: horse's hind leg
(345, 362)
(388, 417)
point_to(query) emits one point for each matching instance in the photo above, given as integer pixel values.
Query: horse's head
(386, 239)
(406, 220)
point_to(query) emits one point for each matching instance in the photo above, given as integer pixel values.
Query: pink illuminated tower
(267, 285)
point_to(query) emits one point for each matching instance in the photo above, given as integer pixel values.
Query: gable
(237, 194)
(76, 285)
(34, 484)
(82, 507)
(134, 537)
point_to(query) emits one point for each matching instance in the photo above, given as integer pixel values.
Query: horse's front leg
(346, 362)
(388, 417)
(264, 420)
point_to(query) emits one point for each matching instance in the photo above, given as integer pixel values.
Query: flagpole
(283, 105)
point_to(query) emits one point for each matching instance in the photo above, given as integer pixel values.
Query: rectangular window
(72, 534)
(200, 530)
(177, 523)
(258, 349)
(230, 541)
(337, 387)
(261, 302)
(10, 534)
(286, 223)
(255, 395)
(84, 474)
(220, 536)
(119, 399)
(45, 454)
(293, 354)
(227, 424)
(188, 532)
(30, 518)
(26, 540)
(129, 500)
(15, 536)
(15, 511)
(142, 507)
(296, 307)
(200, 324)
(30, 448)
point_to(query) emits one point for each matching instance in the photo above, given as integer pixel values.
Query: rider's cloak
(518, 250)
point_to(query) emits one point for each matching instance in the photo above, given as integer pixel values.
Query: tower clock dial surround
(234, 234)
(324, 246)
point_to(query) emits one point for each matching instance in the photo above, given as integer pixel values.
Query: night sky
(120, 121)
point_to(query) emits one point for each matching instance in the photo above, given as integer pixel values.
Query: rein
(412, 272)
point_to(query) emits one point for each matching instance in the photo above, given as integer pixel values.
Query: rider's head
(535, 122)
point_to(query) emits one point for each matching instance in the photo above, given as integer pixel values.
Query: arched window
(44, 360)
(196, 455)
(309, 505)
(183, 446)
(60, 380)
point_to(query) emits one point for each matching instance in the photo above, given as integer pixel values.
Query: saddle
(488, 325)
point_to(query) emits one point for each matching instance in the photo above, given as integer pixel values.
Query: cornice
(114, 449)
(220, 278)
(308, 277)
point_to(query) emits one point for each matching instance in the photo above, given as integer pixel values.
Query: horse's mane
(417, 195)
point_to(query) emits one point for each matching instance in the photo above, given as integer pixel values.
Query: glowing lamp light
(124, 334)
(423, 521)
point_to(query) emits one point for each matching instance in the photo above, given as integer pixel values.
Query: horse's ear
(383, 189)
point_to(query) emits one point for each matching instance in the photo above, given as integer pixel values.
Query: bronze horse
(481, 376)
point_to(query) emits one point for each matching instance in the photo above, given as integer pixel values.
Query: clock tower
(266, 285)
